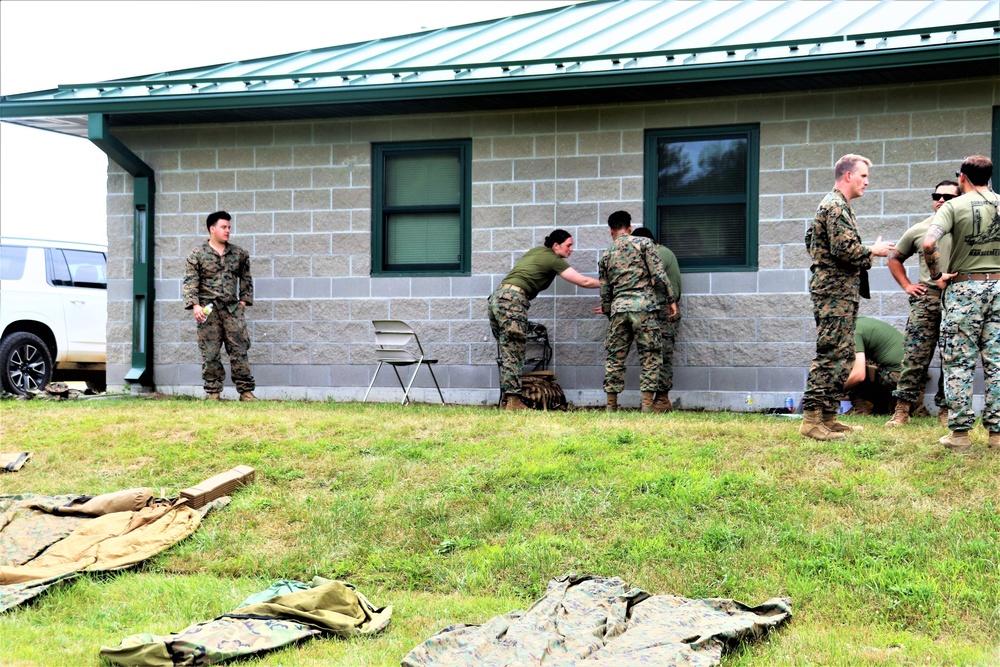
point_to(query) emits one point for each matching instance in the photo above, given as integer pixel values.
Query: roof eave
(675, 75)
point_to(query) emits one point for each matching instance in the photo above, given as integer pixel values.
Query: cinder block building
(402, 178)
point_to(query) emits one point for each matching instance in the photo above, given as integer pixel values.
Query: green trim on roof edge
(689, 74)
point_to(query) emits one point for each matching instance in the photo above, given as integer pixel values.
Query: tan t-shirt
(974, 225)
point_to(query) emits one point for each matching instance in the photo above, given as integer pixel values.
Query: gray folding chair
(393, 346)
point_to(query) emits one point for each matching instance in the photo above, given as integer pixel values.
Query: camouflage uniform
(630, 273)
(923, 327)
(668, 324)
(223, 280)
(508, 310)
(838, 257)
(971, 318)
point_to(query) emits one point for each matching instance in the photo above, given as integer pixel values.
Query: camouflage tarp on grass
(264, 621)
(604, 622)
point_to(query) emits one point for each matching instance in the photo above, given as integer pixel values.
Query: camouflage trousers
(223, 327)
(644, 329)
(668, 332)
(508, 312)
(923, 328)
(971, 327)
(835, 322)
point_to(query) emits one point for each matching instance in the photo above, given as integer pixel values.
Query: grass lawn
(887, 544)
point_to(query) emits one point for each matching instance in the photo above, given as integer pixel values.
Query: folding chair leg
(406, 389)
(434, 377)
(372, 383)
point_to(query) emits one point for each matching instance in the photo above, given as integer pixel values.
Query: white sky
(52, 185)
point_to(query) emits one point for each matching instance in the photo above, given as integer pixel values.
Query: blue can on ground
(790, 405)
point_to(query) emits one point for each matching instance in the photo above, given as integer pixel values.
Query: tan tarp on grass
(12, 461)
(109, 542)
(45, 539)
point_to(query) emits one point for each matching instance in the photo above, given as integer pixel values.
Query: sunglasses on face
(942, 195)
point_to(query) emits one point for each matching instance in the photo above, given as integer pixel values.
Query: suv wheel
(26, 362)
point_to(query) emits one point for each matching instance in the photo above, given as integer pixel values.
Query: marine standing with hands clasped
(218, 275)
(840, 263)
(923, 327)
(970, 325)
(509, 303)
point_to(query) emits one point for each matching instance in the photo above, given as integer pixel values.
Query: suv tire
(26, 363)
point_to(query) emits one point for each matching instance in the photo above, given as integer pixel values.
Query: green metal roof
(604, 50)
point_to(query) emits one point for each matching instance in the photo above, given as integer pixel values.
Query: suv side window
(76, 268)
(12, 262)
(89, 269)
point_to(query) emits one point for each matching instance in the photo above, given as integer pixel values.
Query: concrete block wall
(301, 200)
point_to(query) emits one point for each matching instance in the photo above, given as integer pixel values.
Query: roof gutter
(143, 215)
(12, 108)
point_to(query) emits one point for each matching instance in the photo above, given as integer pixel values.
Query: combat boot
(861, 408)
(212, 396)
(247, 396)
(647, 401)
(514, 402)
(957, 441)
(612, 405)
(662, 402)
(813, 427)
(994, 442)
(943, 417)
(831, 422)
(901, 415)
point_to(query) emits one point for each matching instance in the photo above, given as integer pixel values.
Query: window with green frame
(421, 208)
(701, 195)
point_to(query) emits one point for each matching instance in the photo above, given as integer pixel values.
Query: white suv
(53, 313)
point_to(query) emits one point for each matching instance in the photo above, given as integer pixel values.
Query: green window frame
(422, 208)
(701, 195)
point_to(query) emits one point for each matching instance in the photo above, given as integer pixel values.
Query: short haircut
(643, 232)
(619, 220)
(556, 237)
(848, 163)
(949, 183)
(978, 169)
(215, 217)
